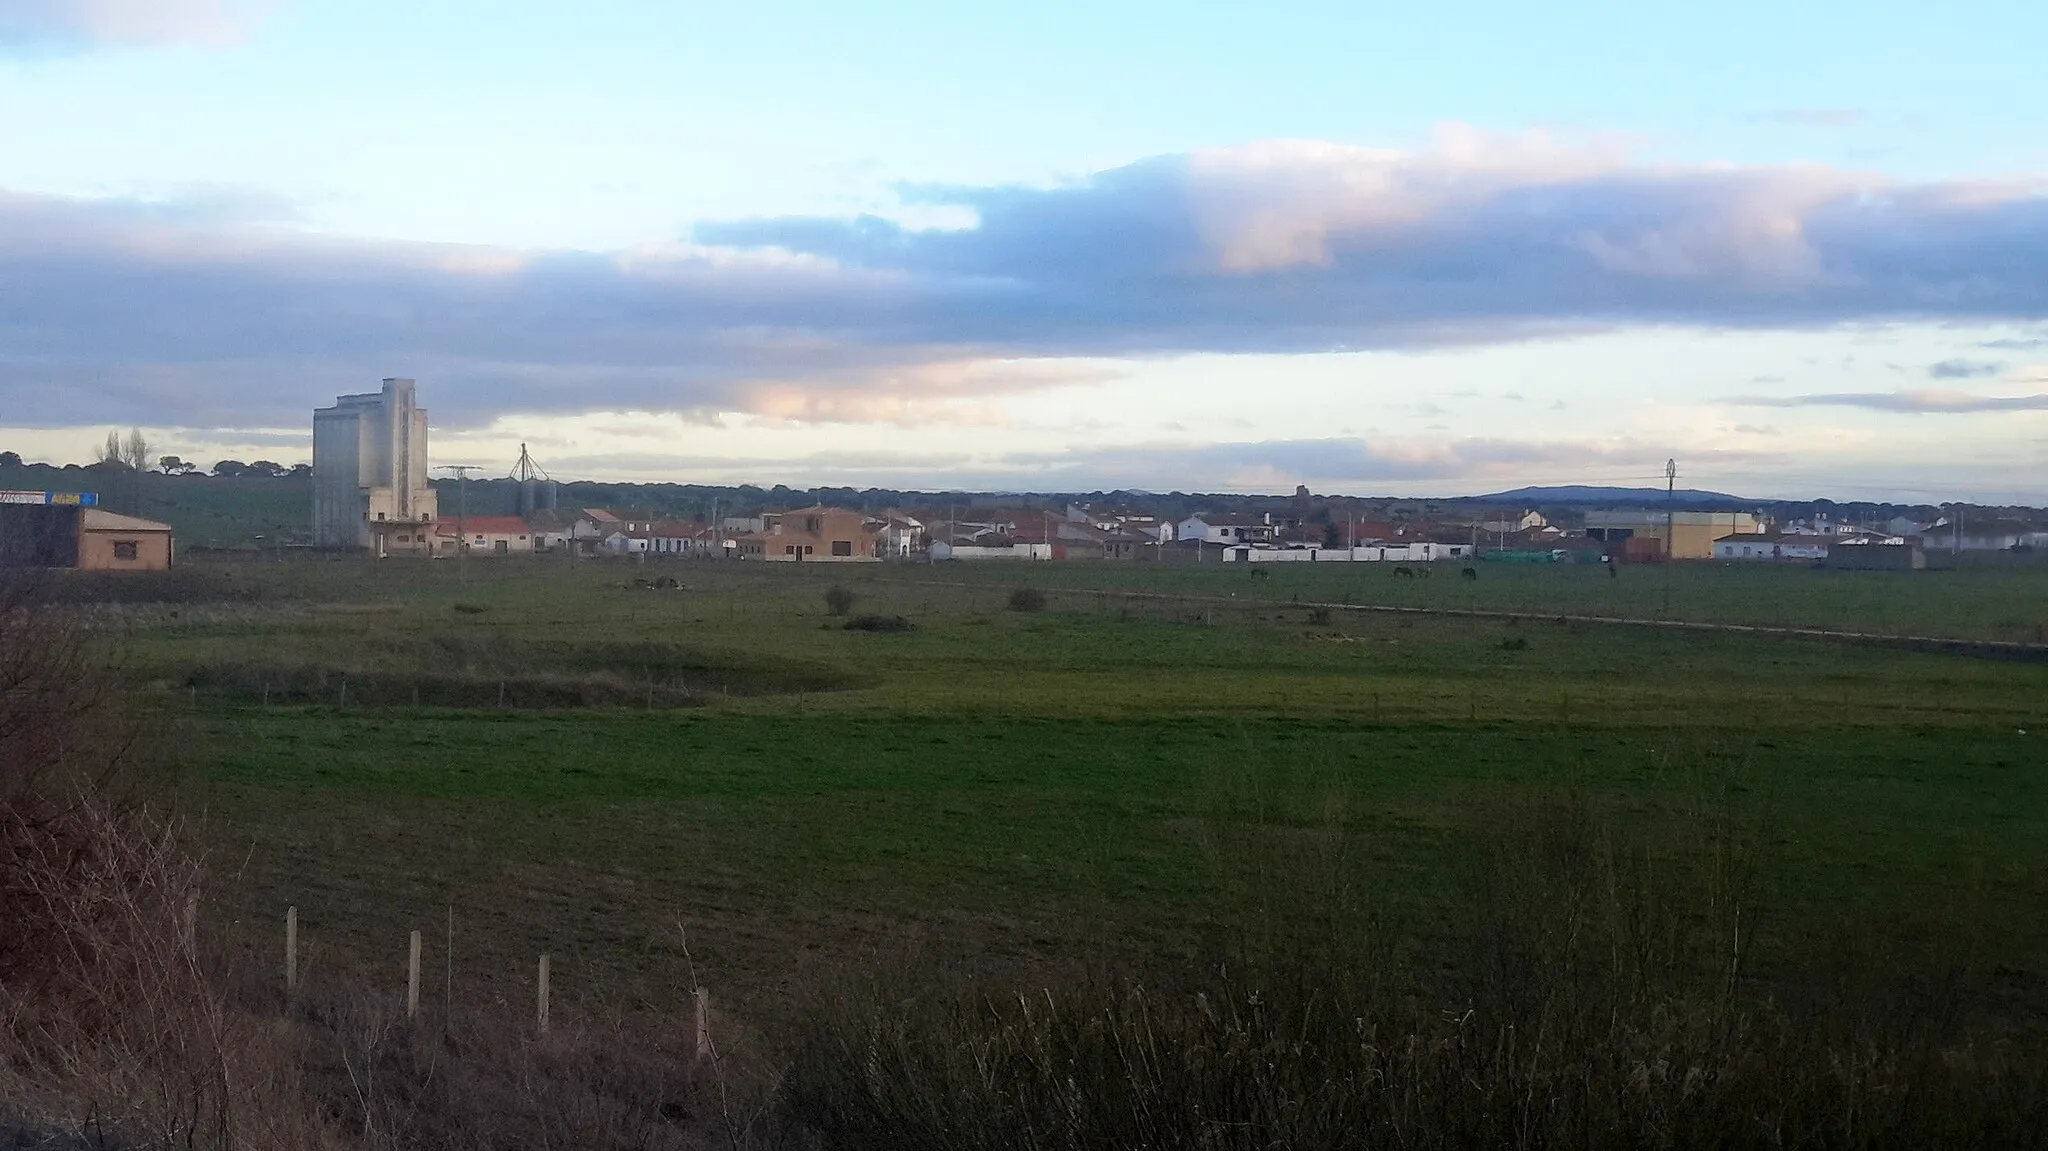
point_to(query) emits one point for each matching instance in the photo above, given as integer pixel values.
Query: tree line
(134, 453)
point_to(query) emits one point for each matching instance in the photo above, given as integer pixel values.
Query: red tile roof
(484, 526)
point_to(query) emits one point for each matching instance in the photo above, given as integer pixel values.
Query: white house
(563, 530)
(900, 533)
(1772, 546)
(628, 543)
(1221, 528)
(1136, 523)
(1505, 522)
(677, 539)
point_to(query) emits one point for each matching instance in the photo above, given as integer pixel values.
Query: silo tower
(536, 488)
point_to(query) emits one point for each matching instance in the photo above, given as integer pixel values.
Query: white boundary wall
(1401, 553)
(946, 551)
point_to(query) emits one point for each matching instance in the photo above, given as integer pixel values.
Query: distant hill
(1582, 494)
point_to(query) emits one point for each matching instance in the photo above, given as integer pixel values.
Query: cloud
(2014, 345)
(1338, 462)
(83, 23)
(204, 310)
(1930, 401)
(1263, 465)
(1962, 369)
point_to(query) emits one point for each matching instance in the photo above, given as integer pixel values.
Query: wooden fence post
(542, 1013)
(291, 951)
(412, 978)
(702, 1000)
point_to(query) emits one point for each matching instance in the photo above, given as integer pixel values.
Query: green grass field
(1008, 792)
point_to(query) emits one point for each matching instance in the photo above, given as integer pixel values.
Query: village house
(1508, 523)
(676, 539)
(1151, 528)
(108, 541)
(900, 533)
(813, 535)
(1773, 546)
(483, 535)
(1227, 528)
(561, 529)
(1987, 534)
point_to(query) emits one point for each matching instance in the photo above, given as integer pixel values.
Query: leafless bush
(109, 1016)
(487, 1080)
(51, 691)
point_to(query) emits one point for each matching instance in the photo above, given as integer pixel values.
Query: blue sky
(1801, 247)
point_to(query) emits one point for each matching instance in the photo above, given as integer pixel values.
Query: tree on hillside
(173, 466)
(124, 461)
(301, 471)
(10, 460)
(270, 468)
(131, 454)
(230, 468)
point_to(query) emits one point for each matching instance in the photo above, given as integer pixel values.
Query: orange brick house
(813, 535)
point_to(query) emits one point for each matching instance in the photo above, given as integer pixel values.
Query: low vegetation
(1195, 866)
(1028, 599)
(881, 623)
(1584, 991)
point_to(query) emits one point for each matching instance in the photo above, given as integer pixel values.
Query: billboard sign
(65, 499)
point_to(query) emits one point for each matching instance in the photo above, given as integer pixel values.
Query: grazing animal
(1406, 573)
(1470, 573)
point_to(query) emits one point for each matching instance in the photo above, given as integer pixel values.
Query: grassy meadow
(723, 783)
(590, 762)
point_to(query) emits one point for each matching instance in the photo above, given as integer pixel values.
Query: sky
(1373, 248)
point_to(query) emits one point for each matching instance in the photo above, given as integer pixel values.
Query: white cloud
(127, 21)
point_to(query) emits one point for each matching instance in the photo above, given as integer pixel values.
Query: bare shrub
(109, 1016)
(488, 1080)
(111, 1019)
(838, 599)
(54, 695)
(1027, 599)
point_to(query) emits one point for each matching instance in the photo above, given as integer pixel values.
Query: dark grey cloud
(1963, 369)
(198, 312)
(2015, 345)
(1914, 402)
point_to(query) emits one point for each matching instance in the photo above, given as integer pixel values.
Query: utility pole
(461, 515)
(1670, 526)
